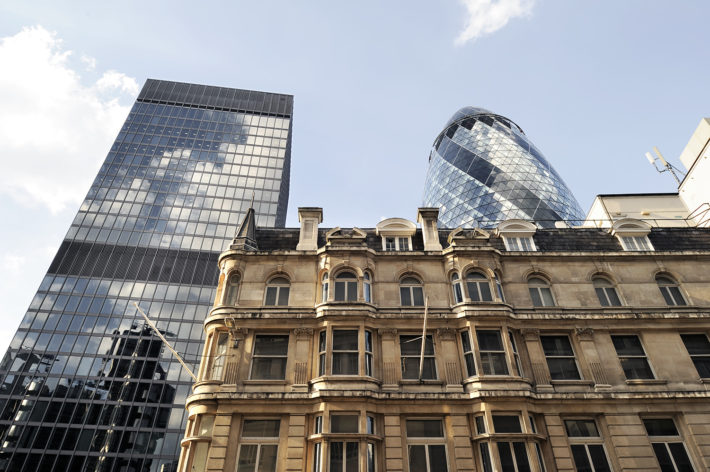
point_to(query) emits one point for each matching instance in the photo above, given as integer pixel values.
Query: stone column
(303, 338)
(390, 359)
(541, 374)
(585, 338)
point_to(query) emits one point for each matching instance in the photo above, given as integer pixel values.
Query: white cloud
(488, 16)
(12, 263)
(54, 130)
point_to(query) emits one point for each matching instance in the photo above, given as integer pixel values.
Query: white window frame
(279, 286)
(427, 441)
(491, 352)
(417, 355)
(635, 243)
(259, 441)
(633, 356)
(567, 357)
(340, 278)
(540, 288)
(256, 356)
(477, 284)
(666, 287)
(457, 288)
(603, 287)
(365, 364)
(586, 441)
(701, 356)
(411, 287)
(519, 243)
(666, 440)
(231, 292)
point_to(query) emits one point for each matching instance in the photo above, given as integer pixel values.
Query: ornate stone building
(553, 349)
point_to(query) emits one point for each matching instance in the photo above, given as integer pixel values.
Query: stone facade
(312, 358)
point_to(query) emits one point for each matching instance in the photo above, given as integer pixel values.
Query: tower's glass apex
(483, 169)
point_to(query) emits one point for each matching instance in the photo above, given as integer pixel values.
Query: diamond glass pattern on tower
(483, 170)
(85, 384)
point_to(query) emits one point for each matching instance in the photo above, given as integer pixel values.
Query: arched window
(411, 292)
(670, 290)
(478, 288)
(232, 291)
(324, 288)
(540, 292)
(367, 287)
(346, 287)
(456, 286)
(606, 292)
(277, 290)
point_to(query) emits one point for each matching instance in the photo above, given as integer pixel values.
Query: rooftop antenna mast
(666, 166)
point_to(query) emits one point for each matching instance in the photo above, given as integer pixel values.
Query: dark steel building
(483, 170)
(85, 384)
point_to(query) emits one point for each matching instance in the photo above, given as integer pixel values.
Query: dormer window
(632, 234)
(396, 234)
(517, 235)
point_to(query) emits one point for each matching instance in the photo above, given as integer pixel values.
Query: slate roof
(546, 240)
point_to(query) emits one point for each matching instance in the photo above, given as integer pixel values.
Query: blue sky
(593, 84)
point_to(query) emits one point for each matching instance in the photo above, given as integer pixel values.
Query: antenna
(665, 165)
(421, 354)
(165, 341)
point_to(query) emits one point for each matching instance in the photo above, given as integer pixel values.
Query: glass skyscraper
(85, 384)
(483, 170)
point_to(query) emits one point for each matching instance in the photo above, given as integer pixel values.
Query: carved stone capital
(584, 334)
(530, 334)
(446, 334)
(303, 333)
(387, 333)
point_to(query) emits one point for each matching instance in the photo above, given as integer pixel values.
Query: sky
(594, 85)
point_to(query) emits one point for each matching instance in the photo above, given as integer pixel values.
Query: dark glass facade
(483, 170)
(85, 384)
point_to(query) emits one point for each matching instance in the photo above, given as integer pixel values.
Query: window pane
(599, 458)
(665, 291)
(266, 368)
(271, 345)
(613, 297)
(489, 340)
(429, 370)
(336, 456)
(351, 457)
(563, 369)
(352, 291)
(267, 458)
(406, 296)
(486, 458)
(283, 296)
(664, 459)
(547, 299)
(340, 291)
(636, 368)
(261, 428)
(506, 424)
(680, 456)
(418, 296)
(506, 457)
(345, 340)
(412, 345)
(581, 428)
(270, 296)
(344, 423)
(677, 297)
(556, 346)
(660, 427)
(470, 365)
(425, 429)
(535, 296)
(485, 291)
(581, 461)
(437, 458)
(521, 457)
(345, 363)
(628, 345)
(696, 343)
(247, 458)
(493, 363)
(417, 459)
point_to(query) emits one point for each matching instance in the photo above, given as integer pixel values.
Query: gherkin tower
(483, 169)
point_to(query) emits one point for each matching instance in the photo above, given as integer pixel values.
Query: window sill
(563, 382)
(341, 436)
(646, 382)
(420, 382)
(264, 382)
(193, 439)
(345, 378)
(495, 378)
(704, 380)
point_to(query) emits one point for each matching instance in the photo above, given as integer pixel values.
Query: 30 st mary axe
(85, 383)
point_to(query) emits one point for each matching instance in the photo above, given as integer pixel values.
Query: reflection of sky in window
(481, 172)
(181, 177)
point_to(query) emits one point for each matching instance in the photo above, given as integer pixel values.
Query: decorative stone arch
(630, 227)
(487, 271)
(592, 274)
(278, 273)
(516, 228)
(400, 274)
(396, 228)
(343, 267)
(535, 272)
(664, 272)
